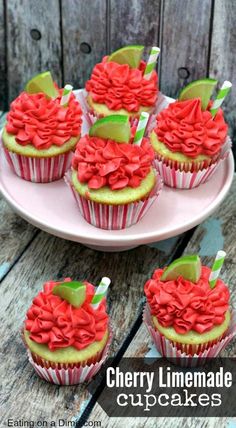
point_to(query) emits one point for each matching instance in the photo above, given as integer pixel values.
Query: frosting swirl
(102, 162)
(187, 306)
(185, 128)
(120, 86)
(42, 122)
(55, 322)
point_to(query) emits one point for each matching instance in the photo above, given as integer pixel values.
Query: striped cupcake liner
(184, 355)
(39, 170)
(114, 217)
(176, 175)
(67, 374)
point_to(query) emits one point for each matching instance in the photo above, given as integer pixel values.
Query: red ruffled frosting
(120, 86)
(102, 162)
(185, 128)
(55, 322)
(187, 306)
(42, 122)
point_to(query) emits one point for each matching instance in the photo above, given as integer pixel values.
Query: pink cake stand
(51, 206)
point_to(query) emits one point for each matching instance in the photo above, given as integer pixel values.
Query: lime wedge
(42, 83)
(115, 127)
(74, 292)
(130, 55)
(189, 267)
(199, 89)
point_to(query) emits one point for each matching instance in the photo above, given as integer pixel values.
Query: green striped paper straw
(66, 95)
(223, 92)
(216, 268)
(100, 292)
(151, 64)
(143, 120)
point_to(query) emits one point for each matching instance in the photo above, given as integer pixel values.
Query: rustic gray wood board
(15, 236)
(3, 87)
(24, 394)
(33, 41)
(142, 343)
(223, 55)
(184, 43)
(134, 22)
(84, 32)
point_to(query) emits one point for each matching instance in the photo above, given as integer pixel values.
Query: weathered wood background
(197, 39)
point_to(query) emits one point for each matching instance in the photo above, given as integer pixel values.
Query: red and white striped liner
(68, 375)
(175, 176)
(114, 217)
(167, 349)
(39, 170)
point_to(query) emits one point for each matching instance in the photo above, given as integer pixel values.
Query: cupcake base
(39, 170)
(92, 116)
(113, 217)
(190, 357)
(69, 374)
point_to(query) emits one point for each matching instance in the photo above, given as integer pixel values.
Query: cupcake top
(186, 305)
(103, 162)
(42, 122)
(54, 321)
(184, 127)
(121, 86)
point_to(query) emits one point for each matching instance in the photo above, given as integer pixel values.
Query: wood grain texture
(27, 56)
(223, 55)
(184, 44)
(15, 235)
(3, 118)
(82, 23)
(24, 394)
(3, 82)
(134, 22)
(142, 342)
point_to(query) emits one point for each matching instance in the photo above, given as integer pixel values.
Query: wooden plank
(3, 119)
(33, 41)
(185, 43)
(53, 258)
(15, 236)
(84, 38)
(223, 55)
(134, 22)
(204, 242)
(3, 83)
(140, 347)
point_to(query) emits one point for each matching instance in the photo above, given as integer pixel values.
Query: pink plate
(51, 207)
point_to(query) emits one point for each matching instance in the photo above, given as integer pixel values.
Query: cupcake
(66, 335)
(188, 141)
(117, 85)
(186, 315)
(113, 180)
(41, 133)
